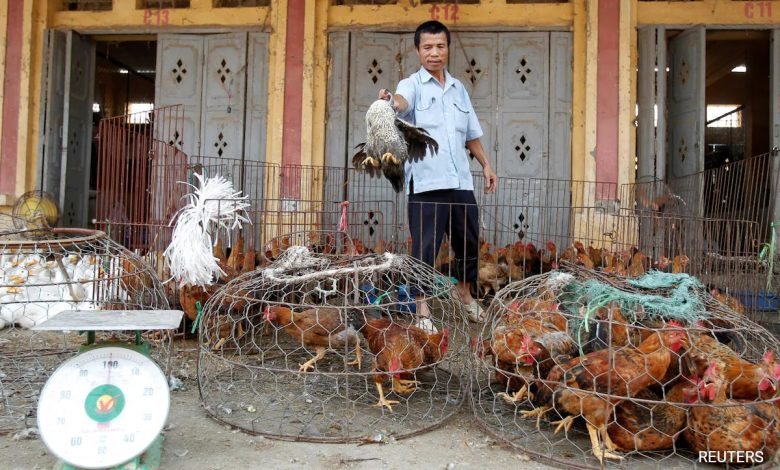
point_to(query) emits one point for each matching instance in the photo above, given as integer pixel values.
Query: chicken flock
(638, 386)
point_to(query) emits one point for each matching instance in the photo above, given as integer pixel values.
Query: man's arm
(491, 179)
(400, 102)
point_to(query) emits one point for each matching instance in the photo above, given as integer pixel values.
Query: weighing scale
(106, 406)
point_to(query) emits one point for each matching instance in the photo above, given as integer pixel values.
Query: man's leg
(464, 236)
(427, 225)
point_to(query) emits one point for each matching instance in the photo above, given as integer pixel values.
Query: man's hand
(491, 179)
(384, 94)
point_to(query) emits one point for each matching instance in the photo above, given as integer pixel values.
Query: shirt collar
(425, 76)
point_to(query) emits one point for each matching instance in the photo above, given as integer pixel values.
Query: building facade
(595, 90)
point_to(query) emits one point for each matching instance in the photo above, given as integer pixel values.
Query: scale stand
(106, 406)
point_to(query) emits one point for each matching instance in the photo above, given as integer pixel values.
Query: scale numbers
(103, 407)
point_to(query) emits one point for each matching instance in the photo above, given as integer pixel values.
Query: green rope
(681, 303)
(767, 254)
(197, 317)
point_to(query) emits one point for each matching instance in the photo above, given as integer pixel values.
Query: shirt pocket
(425, 112)
(462, 114)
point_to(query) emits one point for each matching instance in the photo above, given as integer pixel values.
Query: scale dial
(103, 407)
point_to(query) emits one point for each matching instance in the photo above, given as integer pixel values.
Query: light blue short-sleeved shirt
(448, 116)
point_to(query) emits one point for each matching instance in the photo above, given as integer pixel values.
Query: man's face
(433, 51)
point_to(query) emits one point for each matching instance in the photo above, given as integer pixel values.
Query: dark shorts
(450, 211)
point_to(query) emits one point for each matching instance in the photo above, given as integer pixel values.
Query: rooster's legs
(358, 356)
(370, 161)
(382, 400)
(607, 441)
(565, 423)
(537, 412)
(391, 157)
(310, 363)
(600, 453)
(404, 387)
(519, 395)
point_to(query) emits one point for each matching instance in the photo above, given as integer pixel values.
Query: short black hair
(430, 27)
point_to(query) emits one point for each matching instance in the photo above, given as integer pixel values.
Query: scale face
(103, 407)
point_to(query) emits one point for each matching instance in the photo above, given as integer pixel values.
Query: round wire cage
(68, 269)
(586, 370)
(333, 348)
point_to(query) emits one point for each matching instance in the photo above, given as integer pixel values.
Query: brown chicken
(679, 263)
(399, 352)
(637, 266)
(750, 427)
(322, 328)
(492, 273)
(596, 255)
(728, 300)
(581, 257)
(742, 379)
(628, 371)
(530, 338)
(652, 426)
(236, 258)
(549, 257)
(444, 258)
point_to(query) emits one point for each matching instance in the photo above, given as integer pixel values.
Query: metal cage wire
(293, 376)
(620, 375)
(65, 269)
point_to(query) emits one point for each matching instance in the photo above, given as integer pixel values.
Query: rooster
(399, 352)
(323, 328)
(390, 142)
(728, 426)
(625, 372)
(530, 338)
(646, 426)
(742, 379)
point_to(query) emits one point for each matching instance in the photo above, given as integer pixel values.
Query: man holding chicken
(440, 187)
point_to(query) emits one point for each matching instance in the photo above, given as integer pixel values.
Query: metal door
(179, 80)
(50, 165)
(686, 115)
(375, 63)
(473, 62)
(523, 84)
(76, 141)
(222, 109)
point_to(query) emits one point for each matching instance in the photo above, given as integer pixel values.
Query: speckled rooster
(390, 141)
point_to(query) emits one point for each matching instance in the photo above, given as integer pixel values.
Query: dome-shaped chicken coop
(333, 348)
(578, 368)
(44, 272)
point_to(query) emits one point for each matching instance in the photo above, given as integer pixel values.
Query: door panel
(179, 80)
(77, 131)
(375, 64)
(224, 81)
(686, 114)
(523, 85)
(51, 164)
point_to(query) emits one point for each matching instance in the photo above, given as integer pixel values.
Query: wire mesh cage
(40, 277)
(333, 348)
(585, 369)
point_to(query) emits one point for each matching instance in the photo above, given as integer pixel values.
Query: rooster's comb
(769, 357)
(674, 324)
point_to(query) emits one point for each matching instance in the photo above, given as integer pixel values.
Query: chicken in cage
(333, 348)
(69, 269)
(591, 369)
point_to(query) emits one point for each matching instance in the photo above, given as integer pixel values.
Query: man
(440, 187)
